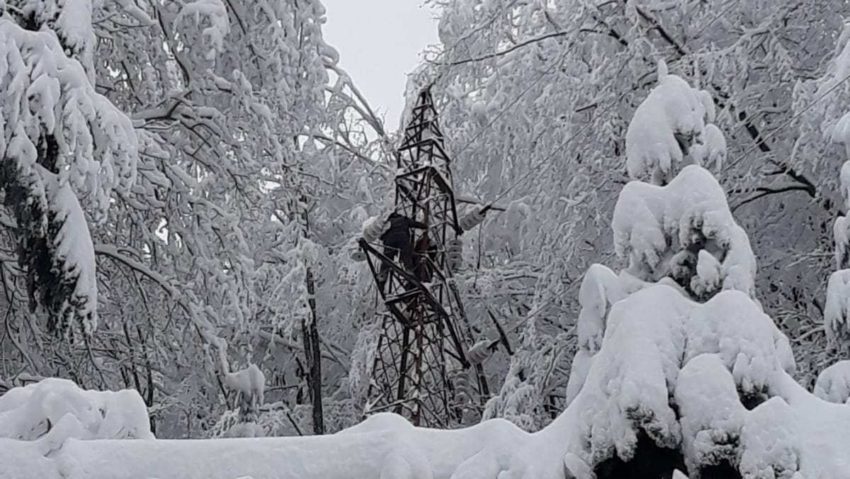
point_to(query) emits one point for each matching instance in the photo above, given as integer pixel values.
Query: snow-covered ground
(711, 380)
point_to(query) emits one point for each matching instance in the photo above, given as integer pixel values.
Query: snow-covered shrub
(521, 399)
(54, 410)
(600, 288)
(837, 308)
(249, 384)
(651, 336)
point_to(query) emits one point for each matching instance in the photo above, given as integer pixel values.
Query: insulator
(471, 219)
(373, 228)
(454, 254)
(356, 253)
(463, 389)
(479, 352)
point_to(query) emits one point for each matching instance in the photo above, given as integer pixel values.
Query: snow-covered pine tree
(683, 245)
(677, 229)
(680, 227)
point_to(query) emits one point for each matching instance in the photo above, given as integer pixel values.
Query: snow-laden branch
(60, 142)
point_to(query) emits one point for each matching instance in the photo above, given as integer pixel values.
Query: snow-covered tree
(682, 230)
(255, 163)
(60, 142)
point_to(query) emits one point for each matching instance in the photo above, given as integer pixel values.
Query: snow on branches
(212, 14)
(833, 383)
(59, 140)
(71, 21)
(837, 309)
(52, 116)
(684, 231)
(668, 128)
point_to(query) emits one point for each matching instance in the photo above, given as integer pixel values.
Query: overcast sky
(379, 42)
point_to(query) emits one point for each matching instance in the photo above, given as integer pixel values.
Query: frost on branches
(60, 141)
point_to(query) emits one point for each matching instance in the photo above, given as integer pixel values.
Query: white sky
(379, 42)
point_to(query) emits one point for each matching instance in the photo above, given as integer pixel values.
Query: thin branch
(509, 50)
(762, 192)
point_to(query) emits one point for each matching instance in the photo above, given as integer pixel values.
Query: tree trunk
(310, 333)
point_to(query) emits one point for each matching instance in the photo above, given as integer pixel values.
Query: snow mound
(684, 231)
(833, 383)
(54, 410)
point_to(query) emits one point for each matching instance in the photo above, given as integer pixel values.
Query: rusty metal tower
(421, 369)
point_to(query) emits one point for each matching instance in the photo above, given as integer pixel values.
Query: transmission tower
(421, 368)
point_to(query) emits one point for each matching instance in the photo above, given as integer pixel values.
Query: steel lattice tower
(421, 368)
